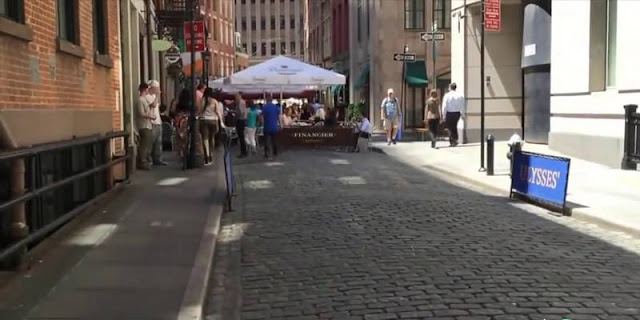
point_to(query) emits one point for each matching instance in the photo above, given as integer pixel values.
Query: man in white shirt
(153, 98)
(453, 108)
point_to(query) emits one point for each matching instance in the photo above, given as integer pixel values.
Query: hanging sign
(492, 15)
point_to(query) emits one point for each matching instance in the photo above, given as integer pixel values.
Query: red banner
(492, 15)
(198, 30)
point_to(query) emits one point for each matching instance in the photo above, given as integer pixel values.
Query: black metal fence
(43, 187)
(631, 137)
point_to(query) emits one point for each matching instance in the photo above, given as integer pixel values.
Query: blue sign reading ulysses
(540, 177)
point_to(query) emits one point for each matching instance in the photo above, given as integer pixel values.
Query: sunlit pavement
(323, 235)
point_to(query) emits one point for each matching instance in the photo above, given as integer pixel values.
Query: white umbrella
(284, 71)
(219, 84)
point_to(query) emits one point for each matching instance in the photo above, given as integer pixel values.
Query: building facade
(220, 16)
(320, 33)
(60, 69)
(593, 75)
(378, 31)
(273, 27)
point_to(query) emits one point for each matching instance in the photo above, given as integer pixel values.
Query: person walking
(390, 113)
(241, 123)
(250, 132)
(145, 116)
(432, 117)
(453, 108)
(181, 108)
(209, 118)
(153, 98)
(271, 119)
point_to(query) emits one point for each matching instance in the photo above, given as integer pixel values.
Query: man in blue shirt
(271, 120)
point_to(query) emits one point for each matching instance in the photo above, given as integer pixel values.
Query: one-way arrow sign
(432, 36)
(404, 57)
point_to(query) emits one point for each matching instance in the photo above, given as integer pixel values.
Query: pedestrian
(432, 117)
(182, 110)
(390, 113)
(250, 132)
(153, 97)
(271, 119)
(241, 123)
(145, 116)
(209, 119)
(453, 108)
(200, 94)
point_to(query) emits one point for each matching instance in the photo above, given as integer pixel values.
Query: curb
(572, 210)
(195, 296)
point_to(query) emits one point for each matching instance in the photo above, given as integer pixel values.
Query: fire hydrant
(515, 145)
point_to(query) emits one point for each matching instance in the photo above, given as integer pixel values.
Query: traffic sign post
(404, 57)
(197, 28)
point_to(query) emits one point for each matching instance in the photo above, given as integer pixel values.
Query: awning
(363, 78)
(336, 90)
(416, 74)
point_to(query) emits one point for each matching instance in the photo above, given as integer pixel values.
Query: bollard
(490, 154)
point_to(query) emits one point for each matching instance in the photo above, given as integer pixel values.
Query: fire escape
(172, 14)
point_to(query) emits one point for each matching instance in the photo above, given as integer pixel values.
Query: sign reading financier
(541, 177)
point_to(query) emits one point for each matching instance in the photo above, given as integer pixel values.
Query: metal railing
(631, 137)
(51, 184)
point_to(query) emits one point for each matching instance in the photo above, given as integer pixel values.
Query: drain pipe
(19, 228)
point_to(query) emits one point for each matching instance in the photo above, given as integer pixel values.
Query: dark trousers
(144, 148)
(452, 125)
(208, 130)
(270, 143)
(240, 125)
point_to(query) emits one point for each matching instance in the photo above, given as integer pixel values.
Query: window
(254, 48)
(293, 48)
(282, 23)
(292, 23)
(100, 34)
(414, 14)
(358, 19)
(12, 10)
(283, 48)
(442, 14)
(612, 31)
(273, 23)
(244, 24)
(263, 24)
(216, 29)
(273, 48)
(263, 51)
(67, 21)
(243, 1)
(253, 23)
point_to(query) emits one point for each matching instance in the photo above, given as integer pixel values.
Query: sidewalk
(144, 255)
(598, 194)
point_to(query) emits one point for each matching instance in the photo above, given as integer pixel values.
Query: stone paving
(323, 235)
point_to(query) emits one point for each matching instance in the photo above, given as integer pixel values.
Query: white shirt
(155, 110)
(453, 101)
(365, 126)
(320, 113)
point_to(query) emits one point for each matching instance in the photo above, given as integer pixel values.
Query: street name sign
(172, 55)
(432, 36)
(492, 15)
(198, 30)
(404, 57)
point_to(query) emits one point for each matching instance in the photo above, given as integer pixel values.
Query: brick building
(59, 70)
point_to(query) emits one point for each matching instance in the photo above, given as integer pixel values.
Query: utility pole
(402, 102)
(482, 116)
(196, 160)
(149, 39)
(434, 53)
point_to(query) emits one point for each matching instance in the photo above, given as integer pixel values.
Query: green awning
(416, 74)
(363, 78)
(336, 90)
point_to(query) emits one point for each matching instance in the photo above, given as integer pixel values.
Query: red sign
(492, 15)
(198, 30)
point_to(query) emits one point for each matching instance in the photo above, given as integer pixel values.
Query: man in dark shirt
(271, 120)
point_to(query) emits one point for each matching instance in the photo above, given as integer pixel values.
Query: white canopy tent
(283, 71)
(228, 88)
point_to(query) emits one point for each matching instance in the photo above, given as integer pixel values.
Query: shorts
(391, 123)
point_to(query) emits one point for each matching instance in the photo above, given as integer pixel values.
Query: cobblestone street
(323, 235)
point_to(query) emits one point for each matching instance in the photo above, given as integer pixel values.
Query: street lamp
(206, 58)
(196, 160)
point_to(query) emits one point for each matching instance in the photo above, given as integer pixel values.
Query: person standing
(153, 98)
(250, 132)
(453, 108)
(145, 116)
(271, 121)
(364, 129)
(209, 118)
(241, 123)
(432, 117)
(390, 113)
